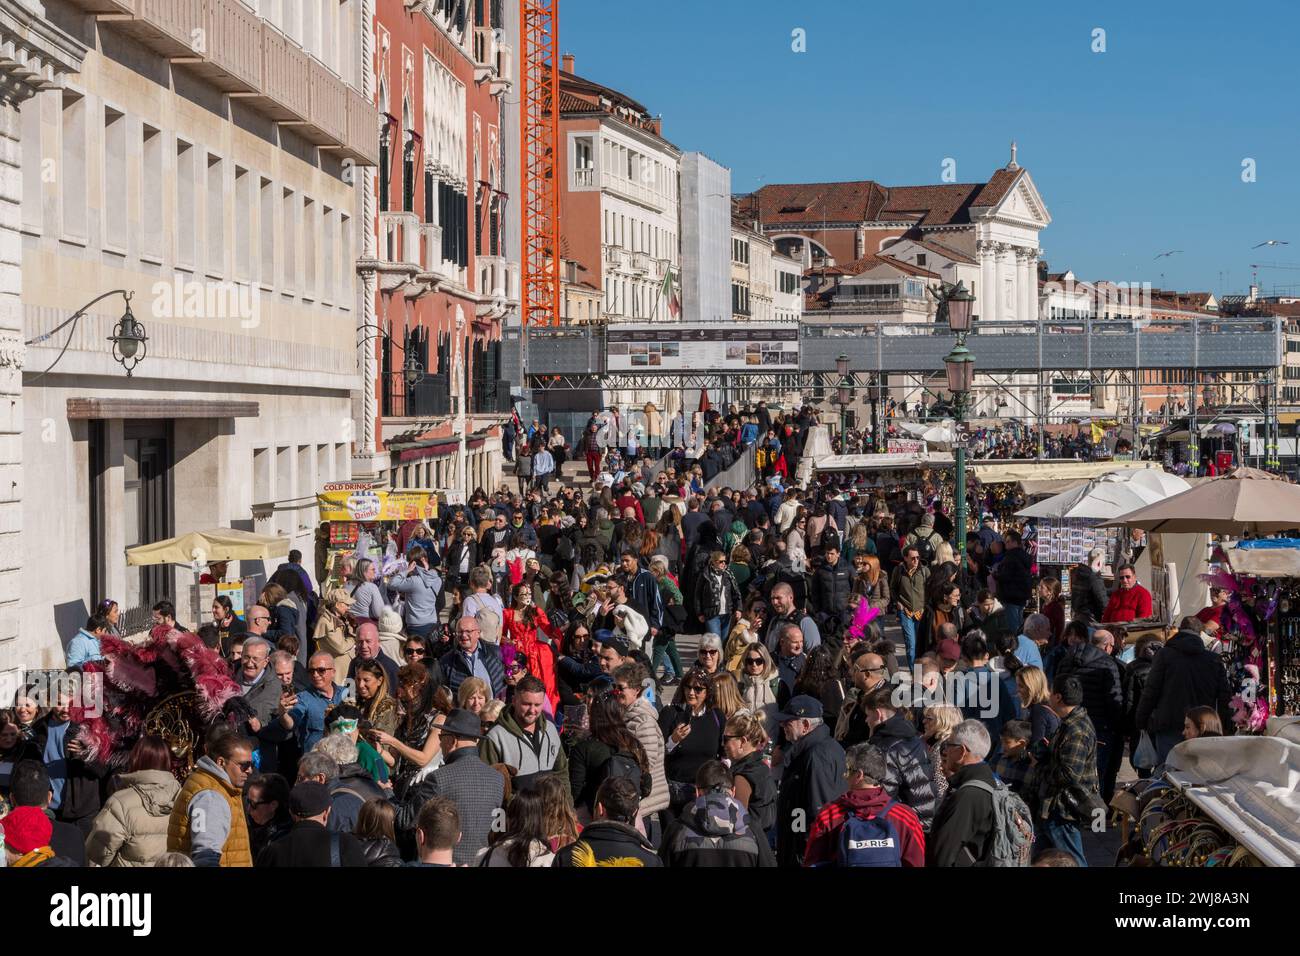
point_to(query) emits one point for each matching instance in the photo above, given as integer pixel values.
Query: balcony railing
(634, 191)
(491, 276)
(485, 53)
(614, 256)
(227, 44)
(174, 28)
(640, 262)
(512, 282)
(584, 177)
(429, 398)
(327, 106)
(116, 7)
(401, 237)
(234, 47)
(363, 130)
(431, 248)
(502, 82)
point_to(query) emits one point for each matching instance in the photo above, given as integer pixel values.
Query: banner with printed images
(658, 346)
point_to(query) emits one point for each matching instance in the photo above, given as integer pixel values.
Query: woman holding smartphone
(692, 735)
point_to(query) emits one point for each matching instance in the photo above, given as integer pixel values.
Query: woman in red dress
(519, 628)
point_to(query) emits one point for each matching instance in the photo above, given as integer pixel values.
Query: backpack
(489, 624)
(869, 841)
(1013, 836)
(924, 548)
(564, 548)
(623, 764)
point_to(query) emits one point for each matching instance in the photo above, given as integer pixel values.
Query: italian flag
(668, 291)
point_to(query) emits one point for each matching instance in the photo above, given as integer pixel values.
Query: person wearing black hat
(477, 789)
(309, 842)
(813, 776)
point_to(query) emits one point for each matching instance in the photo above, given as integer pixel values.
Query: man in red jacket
(865, 798)
(1129, 601)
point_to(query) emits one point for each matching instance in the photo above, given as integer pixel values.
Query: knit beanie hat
(390, 622)
(27, 829)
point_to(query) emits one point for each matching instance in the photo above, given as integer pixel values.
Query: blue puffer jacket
(420, 588)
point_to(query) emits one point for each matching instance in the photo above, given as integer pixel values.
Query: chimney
(657, 124)
(566, 63)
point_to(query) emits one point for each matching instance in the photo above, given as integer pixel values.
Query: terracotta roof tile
(945, 205)
(859, 266)
(576, 104)
(999, 185)
(941, 249)
(814, 202)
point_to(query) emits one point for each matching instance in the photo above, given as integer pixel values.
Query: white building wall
(706, 233)
(787, 296)
(639, 222)
(162, 188)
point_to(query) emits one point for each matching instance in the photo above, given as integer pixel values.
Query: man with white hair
(964, 828)
(1087, 589)
(257, 685)
(1037, 634)
(813, 775)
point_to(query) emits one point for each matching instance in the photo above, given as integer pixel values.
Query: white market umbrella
(941, 435)
(1107, 497)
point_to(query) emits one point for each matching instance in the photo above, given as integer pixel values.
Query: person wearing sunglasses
(207, 820)
(760, 684)
(745, 743)
(692, 732)
(709, 659)
(266, 798)
(631, 684)
(306, 718)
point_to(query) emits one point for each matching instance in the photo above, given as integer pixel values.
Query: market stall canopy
(992, 472)
(1250, 786)
(1247, 501)
(1282, 561)
(1036, 487)
(1108, 496)
(218, 544)
(941, 435)
(881, 462)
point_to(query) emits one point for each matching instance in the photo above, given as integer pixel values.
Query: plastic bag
(1144, 758)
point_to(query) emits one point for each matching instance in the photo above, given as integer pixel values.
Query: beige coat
(644, 723)
(131, 829)
(336, 637)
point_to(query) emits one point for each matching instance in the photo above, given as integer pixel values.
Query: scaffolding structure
(540, 129)
(1236, 359)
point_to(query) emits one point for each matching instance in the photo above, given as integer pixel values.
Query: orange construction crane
(539, 122)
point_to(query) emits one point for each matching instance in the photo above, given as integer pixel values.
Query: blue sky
(1136, 150)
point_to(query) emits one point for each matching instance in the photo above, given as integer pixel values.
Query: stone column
(986, 298)
(1002, 272)
(35, 55)
(368, 226)
(1026, 286)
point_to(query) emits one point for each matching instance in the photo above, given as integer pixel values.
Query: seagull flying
(1272, 242)
(1169, 253)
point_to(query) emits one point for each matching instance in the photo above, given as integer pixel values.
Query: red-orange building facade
(446, 265)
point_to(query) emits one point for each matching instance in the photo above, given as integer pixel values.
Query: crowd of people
(513, 693)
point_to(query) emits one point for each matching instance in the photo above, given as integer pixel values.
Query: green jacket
(909, 589)
(507, 743)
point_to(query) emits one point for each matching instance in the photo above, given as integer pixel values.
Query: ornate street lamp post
(955, 304)
(843, 397)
